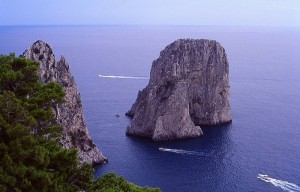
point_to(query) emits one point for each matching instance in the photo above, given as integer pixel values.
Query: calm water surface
(264, 137)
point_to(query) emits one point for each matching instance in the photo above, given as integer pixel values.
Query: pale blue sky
(150, 12)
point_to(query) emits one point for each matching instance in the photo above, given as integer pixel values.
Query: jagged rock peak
(42, 52)
(188, 87)
(69, 114)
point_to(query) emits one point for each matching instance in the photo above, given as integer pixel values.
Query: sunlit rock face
(188, 87)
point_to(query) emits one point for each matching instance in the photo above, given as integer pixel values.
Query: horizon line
(141, 25)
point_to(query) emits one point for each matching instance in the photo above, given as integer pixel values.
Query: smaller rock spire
(68, 114)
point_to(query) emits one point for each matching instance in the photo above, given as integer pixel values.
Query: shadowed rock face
(69, 114)
(188, 87)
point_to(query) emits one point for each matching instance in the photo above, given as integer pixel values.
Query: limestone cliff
(69, 114)
(188, 87)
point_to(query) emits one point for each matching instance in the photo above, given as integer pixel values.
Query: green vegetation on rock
(112, 183)
(31, 158)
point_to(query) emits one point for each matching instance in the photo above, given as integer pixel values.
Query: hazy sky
(150, 12)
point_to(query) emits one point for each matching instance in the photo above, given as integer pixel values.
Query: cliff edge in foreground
(68, 114)
(188, 87)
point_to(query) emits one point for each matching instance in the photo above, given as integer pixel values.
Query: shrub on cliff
(112, 183)
(31, 158)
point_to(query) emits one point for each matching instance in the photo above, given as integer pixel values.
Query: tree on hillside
(31, 158)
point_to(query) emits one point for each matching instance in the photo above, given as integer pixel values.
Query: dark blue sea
(259, 151)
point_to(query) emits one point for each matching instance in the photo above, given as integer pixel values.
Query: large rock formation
(188, 87)
(69, 114)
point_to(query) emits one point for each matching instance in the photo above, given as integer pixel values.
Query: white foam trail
(181, 151)
(123, 77)
(285, 185)
(176, 150)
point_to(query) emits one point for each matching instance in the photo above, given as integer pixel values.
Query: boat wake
(181, 151)
(123, 77)
(285, 185)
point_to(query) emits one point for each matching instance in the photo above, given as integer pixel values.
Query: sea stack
(188, 87)
(68, 114)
